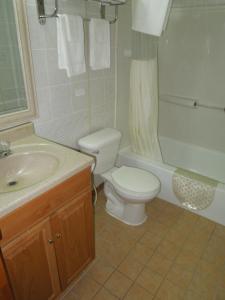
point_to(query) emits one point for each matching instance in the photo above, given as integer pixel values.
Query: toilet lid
(135, 180)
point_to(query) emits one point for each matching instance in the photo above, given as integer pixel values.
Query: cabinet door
(5, 292)
(73, 230)
(31, 264)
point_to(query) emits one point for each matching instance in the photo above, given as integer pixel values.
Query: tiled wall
(12, 93)
(69, 108)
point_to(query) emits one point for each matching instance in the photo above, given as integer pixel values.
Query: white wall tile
(80, 96)
(40, 68)
(61, 100)
(69, 107)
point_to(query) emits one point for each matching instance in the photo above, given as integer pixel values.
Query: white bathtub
(205, 162)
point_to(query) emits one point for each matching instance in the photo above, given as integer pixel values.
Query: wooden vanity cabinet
(5, 291)
(47, 254)
(73, 233)
(31, 264)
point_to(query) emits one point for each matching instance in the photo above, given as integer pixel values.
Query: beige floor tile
(69, 296)
(149, 280)
(103, 294)
(169, 291)
(130, 267)
(118, 284)
(111, 252)
(204, 283)
(150, 240)
(179, 276)
(222, 280)
(195, 295)
(156, 228)
(168, 249)
(86, 288)
(159, 264)
(137, 292)
(208, 268)
(215, 251)
(220, 231)
(135, 233)
(141, 253)
(189, 217)
(174, 255)
(220, 294)
(196, 249)
(205, 224)
(177, 236)
(187, 260)
(101, 270)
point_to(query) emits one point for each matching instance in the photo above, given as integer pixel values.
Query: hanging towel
(150, 16)
(70, 43)
(99, 41)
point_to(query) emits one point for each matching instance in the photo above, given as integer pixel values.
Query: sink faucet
(5, 149)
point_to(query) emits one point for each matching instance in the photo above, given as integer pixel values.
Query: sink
(24, 169)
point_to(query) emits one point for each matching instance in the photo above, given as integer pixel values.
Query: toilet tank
(104, 145)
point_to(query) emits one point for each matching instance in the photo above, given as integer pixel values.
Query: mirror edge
(21, 117)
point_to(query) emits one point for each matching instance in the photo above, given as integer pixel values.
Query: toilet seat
(135, 184)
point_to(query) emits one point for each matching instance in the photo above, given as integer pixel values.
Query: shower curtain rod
(188, 102)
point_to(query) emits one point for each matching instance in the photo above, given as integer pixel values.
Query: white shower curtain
(144, 105)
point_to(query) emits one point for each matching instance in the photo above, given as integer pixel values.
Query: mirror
(17, 92)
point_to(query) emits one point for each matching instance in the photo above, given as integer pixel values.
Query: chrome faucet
(5, 149)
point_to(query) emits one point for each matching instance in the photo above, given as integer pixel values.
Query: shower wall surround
(192, 65)
(69, 108)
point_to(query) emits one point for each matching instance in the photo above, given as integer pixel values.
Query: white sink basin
(24, 169)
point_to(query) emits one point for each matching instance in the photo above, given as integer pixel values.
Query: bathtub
(190, 157)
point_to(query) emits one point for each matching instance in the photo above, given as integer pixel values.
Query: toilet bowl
(127, 189)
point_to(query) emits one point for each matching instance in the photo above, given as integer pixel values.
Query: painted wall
(69, 108)
(192, 65)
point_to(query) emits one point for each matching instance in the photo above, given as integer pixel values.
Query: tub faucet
(5, 149)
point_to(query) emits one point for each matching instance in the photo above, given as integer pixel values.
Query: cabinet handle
(50, 241)
(58, 236)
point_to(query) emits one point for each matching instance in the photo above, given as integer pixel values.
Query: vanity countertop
(70, 162)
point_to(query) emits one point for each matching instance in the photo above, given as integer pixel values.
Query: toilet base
(129, 213)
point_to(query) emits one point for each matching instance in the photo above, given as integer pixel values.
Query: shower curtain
(143, 113)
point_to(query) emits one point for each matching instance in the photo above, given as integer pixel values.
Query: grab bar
(188, 102)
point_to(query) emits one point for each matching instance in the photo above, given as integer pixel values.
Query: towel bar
(42, 16)
(41, 11)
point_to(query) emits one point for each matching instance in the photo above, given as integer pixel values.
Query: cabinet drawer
(39, 208)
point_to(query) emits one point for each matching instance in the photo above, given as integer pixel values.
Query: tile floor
(174, 255)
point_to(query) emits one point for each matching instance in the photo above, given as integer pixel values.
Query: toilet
(127, 189)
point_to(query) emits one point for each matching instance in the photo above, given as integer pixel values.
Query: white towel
(150, 16)
(99, 41)
(70, 42)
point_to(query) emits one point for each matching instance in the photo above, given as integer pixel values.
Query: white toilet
(127, 189)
